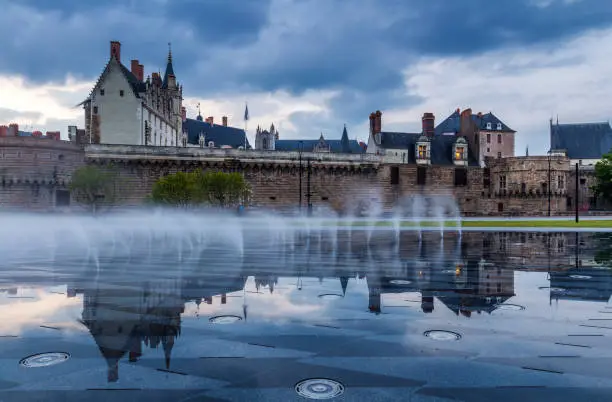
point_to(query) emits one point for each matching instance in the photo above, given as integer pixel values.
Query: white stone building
(123, 108)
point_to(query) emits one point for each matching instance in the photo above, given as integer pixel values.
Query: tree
(93, 187)
(196, 188)
(603, 176)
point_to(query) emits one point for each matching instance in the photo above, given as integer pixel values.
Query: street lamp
(549, 181)
(300, 150)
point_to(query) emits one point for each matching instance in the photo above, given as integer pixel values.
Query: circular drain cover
(558, 290)
(442, 335)
(400, 282)
(581, 277)
(330, 296)
(44, 359)
(319, 388)
(514, 307)
(224, 319)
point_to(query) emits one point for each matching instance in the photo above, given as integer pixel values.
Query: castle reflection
(134, 302)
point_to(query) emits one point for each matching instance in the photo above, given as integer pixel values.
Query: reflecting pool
(260, 310)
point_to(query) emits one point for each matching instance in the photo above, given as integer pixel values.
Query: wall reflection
(136, 299)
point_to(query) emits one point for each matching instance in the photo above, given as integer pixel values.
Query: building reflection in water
(127, 310)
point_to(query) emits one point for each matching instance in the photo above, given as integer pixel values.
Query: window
(499, 138)
(486, 177)
(499, 155)
(488, 138)
(500, 207)
(459, 153)
(121, 92)
(102, 92)
(499, 126)
(523, 188)
(421, 175)
(460, 177)
(264, 143)
(62, 198)
(544, 187)
(488, 127)
(95, 110)
(560, 182)
(422, 152)
(394, 175)
(488, 150)
(502, 182)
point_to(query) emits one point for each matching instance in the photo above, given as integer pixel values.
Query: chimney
(134, 67)
(479, 114)
(211, 120)
(224, 119)
(378, 122)
(458, 111)
(3, 131)
(13, 130)
(183, 113)
(372, 119)
(37, 134)
(428, 121)
(140, 72)
(115, 50)
(156, 79)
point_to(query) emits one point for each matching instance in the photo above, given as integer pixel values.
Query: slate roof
(452, 123)
(220, 135)
(441, 147)
(335, 145)
(582, 141)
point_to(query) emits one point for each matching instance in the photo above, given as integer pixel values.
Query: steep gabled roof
(136, 85)
(220, 135)
(452, 124)
(582, 141)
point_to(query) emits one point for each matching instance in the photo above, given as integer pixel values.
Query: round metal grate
(581, 277)
(224, 319)
(439, 335)
(400, 282)
(513, 307)
(330, 296)
(44, 359)
(319, 388)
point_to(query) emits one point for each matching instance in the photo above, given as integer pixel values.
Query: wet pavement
(252, 315)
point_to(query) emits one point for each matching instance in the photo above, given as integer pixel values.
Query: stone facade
(519, 185)
(35, 172)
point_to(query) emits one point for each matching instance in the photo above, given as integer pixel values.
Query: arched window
(264, 143)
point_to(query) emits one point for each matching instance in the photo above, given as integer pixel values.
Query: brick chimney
(135, 69)
(210, 119)
(115, 50)
(377, 122)
(465, 122)
(13, 130)
(429, 125)
(372, 119)
(140, 72)
(224, 120)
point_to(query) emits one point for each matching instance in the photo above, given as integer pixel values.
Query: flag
(246, 112)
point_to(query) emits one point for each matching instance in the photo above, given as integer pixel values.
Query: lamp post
(300, 150)
(577, 193)
(308, 173)
(549, 182)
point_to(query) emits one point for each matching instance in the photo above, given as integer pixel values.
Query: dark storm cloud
(358, 48)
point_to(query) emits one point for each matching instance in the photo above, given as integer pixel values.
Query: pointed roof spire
(169, 68)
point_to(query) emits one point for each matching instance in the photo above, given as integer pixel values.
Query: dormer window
(460, 152)
(488, 126)
(423, 150)
(499, 126)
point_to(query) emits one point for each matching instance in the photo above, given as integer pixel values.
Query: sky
(311, 66)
